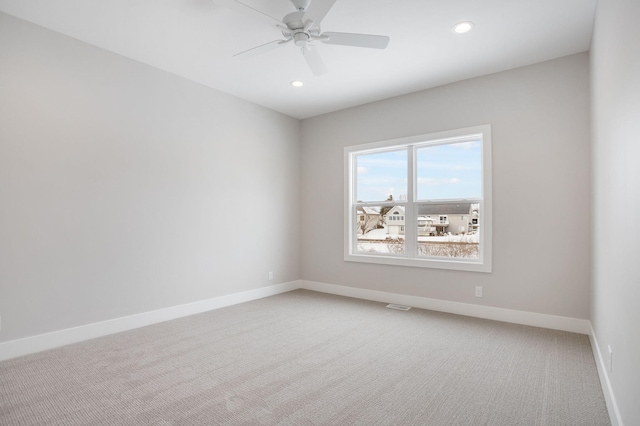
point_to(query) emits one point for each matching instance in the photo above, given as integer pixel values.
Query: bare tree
(395, 245)
(449, 249)
(386, 209)
(370, 222)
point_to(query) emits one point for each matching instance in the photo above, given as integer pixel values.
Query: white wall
(616, 197)
(541, 164)
(125, 189)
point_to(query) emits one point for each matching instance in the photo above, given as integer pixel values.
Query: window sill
(456, 265)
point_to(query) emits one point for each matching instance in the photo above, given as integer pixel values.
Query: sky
(443, 172)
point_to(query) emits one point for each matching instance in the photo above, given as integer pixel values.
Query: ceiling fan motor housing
(296, 26)
(293, 21)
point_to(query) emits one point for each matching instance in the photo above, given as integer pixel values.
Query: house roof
(369, 210)
(458, 208)
(436, 209)
(399, 209)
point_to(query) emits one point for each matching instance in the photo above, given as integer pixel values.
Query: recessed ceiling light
(463, 27)
(297, 83)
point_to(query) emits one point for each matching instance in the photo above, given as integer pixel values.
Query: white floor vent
(398, 307)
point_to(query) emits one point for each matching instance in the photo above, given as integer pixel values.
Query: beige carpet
(305, 358)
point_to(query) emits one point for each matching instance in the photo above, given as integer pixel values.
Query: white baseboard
(607, 390)
(28, 345)
(56, 339)
(554, 322)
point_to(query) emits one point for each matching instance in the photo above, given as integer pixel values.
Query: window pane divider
(410, 222)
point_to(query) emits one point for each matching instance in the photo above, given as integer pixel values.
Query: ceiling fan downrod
(301, 5)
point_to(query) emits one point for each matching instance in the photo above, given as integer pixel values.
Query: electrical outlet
(610, 359)
(478, 291)
(270, 275)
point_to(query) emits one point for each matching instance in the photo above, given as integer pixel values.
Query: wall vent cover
(398, 307)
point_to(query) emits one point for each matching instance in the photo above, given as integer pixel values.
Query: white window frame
(484, 261)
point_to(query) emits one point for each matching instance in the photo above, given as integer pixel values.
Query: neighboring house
(426, 226)
(474, 221)
(459, 218)
(368, 219)
(434, 219)
(395, 221)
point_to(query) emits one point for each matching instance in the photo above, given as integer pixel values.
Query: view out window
(426, 201)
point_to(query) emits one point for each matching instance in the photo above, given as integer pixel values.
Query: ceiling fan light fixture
(297, 83)
(300, 39)
(463, 27)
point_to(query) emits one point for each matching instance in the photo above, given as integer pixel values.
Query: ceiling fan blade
(358, 40)
(314, 61)
(317, 10)
(250, 11)
(255, 51)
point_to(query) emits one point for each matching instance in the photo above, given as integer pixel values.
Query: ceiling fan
(302, 27)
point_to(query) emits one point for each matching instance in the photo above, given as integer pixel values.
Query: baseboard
(29, 345)
(554, 322)
(55, 339)
(607, 390)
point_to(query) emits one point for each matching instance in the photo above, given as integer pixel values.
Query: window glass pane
(381, 176)
(380, 229)
(448, 230)
(449, 171)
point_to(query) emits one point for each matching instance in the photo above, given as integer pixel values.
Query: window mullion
(410, 230)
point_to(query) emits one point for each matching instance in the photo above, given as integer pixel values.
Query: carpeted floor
(305, 358)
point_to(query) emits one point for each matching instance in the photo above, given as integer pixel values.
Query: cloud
(362, 170)
(432, 181)
(427, 181)
(466, 145)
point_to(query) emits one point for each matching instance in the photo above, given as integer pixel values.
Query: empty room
(319, 212)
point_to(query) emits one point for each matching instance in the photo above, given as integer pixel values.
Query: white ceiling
(197, 39)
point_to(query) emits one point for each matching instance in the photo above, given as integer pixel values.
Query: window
(431, 195)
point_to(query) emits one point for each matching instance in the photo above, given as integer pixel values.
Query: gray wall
(616, 197)
(125, 189)
(541, 162)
